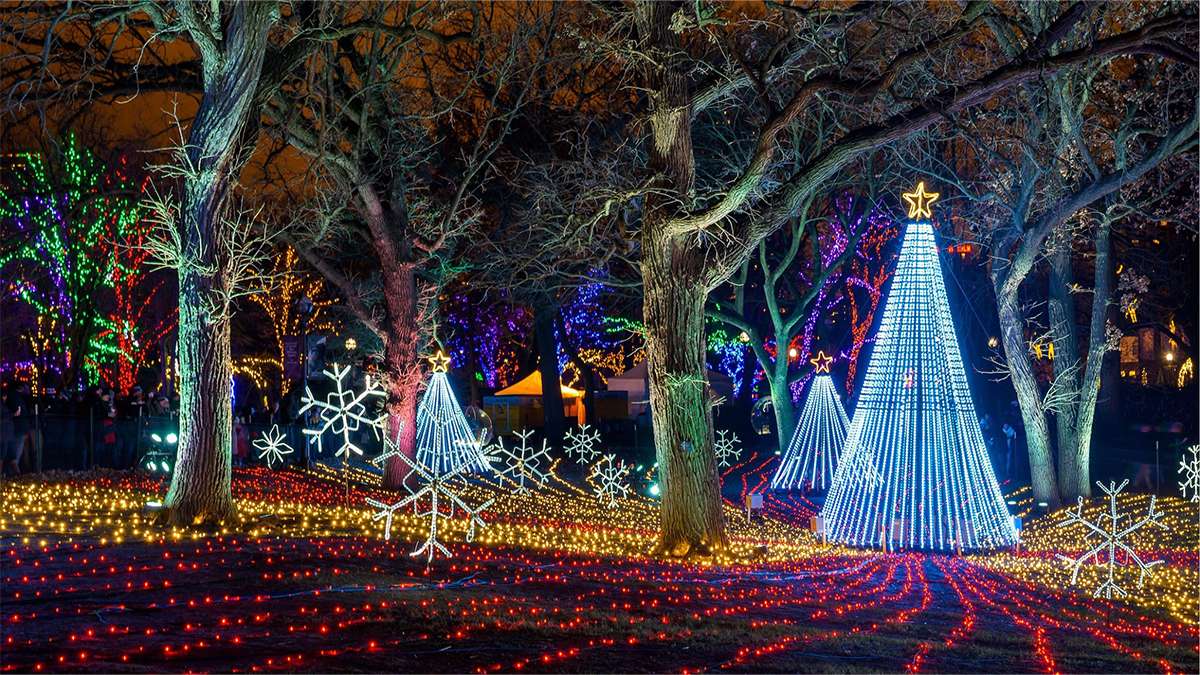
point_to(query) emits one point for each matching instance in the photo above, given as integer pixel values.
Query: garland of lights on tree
(444, 439)
(915, 424)
(812, 454)
(78, 262)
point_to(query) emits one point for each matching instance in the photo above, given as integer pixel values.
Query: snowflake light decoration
(609, 476)
(520, 463)
(272, 445)
(343, 411)
(725, 448)
(437, 490)
(1190, 468)
(581, 445)
(1111, 537)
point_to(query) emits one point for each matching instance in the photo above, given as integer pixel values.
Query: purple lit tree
(795, 293)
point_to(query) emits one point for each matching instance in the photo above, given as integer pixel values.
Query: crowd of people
(101, 427)
(98, 412)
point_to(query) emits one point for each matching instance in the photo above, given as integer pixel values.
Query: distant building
(1151, 357)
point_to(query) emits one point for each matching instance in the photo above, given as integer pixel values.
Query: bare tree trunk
(781, 397)
(403, 368)
(692, 520)
(1089, 390)
(1061, 308)
(673, 268)
(552, 402)
(216, 147)
(200, 487)
(1037, 435)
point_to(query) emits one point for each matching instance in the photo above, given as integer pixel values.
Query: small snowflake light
(273, 446)
(608, 477)
(1110, 538)
(521, 464)
(1190, 468)
(581, 445)
(726, 449)
(344, 410)
(435, 488)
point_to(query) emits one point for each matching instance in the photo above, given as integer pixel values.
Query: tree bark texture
(544, 318)
(403, 368)
(1061, 308)
(674, 282)
(692, 519)
(1037, 434)
(1089, 389)
(200, 486)
(781, 397)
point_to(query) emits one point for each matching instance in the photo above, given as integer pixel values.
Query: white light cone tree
(444, 439)
(812, 454)
(915, 424)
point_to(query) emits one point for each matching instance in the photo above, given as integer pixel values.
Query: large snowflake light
(1111, 538)
(436, 490)
(1190, 468)
(608, 477)
(726, 449)
(521, 463)
(581, 444)
(344, 410)
(273, 446)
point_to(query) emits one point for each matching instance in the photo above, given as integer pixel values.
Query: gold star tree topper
(822, 362)
(439, 362)
(919, 201)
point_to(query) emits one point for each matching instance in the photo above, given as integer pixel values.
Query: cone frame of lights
(812, 454)
(444, 439)
(914, 473)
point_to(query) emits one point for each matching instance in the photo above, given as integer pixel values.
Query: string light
(915, 423)
(280, 303)
(316, 587)
(444, 439)
(811, 456)
(581, 444)
(344, 411)
(1112, 537)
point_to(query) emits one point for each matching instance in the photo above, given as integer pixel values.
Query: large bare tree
(401, 123)
(697, 64)
(230, 58)
(1052, 171)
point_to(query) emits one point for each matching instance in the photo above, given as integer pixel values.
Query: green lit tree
(66, 213)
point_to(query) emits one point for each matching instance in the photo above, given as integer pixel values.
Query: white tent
(635, 381)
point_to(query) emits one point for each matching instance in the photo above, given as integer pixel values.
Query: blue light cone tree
(444, 439)
(915, 471)
(812, 454)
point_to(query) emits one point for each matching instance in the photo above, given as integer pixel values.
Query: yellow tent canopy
(532, 386)
(530, 412)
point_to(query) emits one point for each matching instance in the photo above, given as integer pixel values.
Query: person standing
(7, 433)
(18, 410)
(1010, 438)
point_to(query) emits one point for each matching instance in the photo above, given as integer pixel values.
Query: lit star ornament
(822, 362)
(439, 362)
(919, 201)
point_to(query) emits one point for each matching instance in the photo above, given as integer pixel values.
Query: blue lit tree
(812, 455)
(915, 472)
